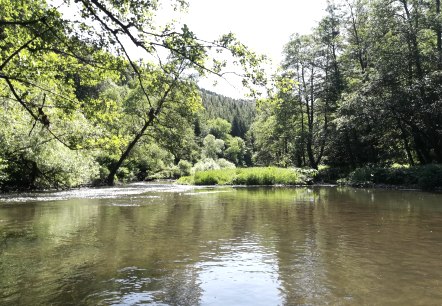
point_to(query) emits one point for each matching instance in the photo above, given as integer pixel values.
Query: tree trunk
(421, 149)
(413, 37)
(349, 150)
(362, 62)
(439, 34)
(406, 145)
(302, 118)
(110, 180)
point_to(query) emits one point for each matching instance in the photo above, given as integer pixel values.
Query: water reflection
(223, 246)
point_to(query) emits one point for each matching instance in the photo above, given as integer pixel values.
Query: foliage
(212, 147)
(362, 89)
(268, 176)
(219, 128)
(149, 159)
(214, 177)
(236, 151)
(31, 158)
(186, 180)
(185, 167)
(211, 164)
(428, 177)
(239, 113)
(327, 174)
(65, 72)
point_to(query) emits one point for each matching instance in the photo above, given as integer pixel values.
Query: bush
(331, 174)
(204, 165)
(428, 177)
(185, 167)
(171, 172)
(125, 175)
(225, 164)
(186, 180)
(211, 164)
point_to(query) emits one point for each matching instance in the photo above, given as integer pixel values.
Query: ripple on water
(236, 272)
(135, 190)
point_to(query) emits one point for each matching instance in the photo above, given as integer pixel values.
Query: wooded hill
(240, 113)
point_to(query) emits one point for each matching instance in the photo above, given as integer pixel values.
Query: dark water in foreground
(169, 245)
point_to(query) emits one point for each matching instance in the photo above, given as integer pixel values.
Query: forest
(356, 101)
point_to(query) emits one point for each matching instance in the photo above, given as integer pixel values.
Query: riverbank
(428, 177)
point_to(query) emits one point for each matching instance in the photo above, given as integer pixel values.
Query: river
(153, 244)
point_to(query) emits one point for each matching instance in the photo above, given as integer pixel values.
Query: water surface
(173, 245)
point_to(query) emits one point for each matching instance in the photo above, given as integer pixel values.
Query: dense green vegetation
(240, 113)
(77, 107)
(250, 176)
(360, 94)
(426, 177)
(363, 88)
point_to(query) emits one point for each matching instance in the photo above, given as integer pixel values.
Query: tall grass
(249, 176)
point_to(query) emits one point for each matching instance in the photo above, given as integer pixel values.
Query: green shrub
(225, 164)
(124, 174)
(185, 167)
(430, 177)
(204, 178)
(331, 175)
(268, 176)
(211, 164)
(204, 165)
(186, 180)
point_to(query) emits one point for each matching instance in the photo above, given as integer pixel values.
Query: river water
(147, 244)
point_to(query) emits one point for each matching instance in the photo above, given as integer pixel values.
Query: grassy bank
(251, 176)
(428, 177)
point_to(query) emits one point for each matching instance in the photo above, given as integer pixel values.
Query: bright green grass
(248, 176)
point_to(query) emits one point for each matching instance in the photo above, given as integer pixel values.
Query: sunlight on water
(94, 193)
(244, 267)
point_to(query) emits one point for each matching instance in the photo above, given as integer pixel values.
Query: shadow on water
(173, 245)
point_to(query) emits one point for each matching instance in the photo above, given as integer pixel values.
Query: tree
(391, 104)
(219, 128)
(213, 148)
(46, 57)
(361, 89)
(236, 151)
(32, 159)
(312, 62)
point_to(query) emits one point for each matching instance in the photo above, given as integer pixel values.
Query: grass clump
(250, 176)
(186, 180)
(268, 176)
(214, 177)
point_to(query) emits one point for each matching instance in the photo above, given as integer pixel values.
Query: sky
(264, 26)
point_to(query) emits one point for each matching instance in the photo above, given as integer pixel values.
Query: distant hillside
(240, 113)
